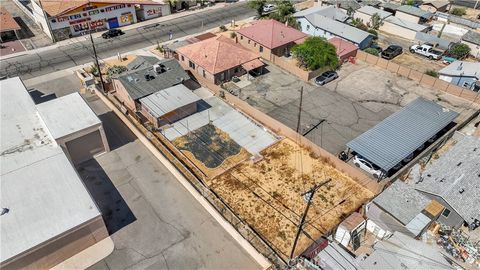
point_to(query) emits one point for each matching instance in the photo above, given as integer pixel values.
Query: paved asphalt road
(44, 62)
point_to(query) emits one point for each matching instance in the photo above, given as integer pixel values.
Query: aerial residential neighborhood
(240, 134)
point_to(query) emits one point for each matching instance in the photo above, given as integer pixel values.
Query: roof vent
(460, 66)
(460, 163)
(149, 77)
(461, 190)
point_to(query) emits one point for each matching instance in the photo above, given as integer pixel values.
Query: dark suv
(391, 52)
(112, 33)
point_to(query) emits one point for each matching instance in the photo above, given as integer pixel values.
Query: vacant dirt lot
(268, 194)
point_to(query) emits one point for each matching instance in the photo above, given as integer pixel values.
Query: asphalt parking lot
(152, 219)
(339, 119)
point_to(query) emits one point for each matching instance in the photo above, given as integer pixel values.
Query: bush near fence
(421, 78)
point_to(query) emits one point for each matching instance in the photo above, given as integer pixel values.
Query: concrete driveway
(330, 119)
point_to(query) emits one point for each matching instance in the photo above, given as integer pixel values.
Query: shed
(472, 40)
(400, 134)
(403, 28)
(350, 232)
(440, 43)
(169, 105)
(413, 14)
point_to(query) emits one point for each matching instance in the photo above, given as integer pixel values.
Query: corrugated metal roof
(415, 11)
(168, 100)
(342, 30)
(398, 135)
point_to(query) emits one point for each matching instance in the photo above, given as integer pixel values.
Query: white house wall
(38, 14)
(397, 30)
(362, 16)
(474, 49)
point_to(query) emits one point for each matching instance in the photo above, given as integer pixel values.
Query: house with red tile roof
(269, 37)
(219, 59)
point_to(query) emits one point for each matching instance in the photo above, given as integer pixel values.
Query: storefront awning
(253, 64)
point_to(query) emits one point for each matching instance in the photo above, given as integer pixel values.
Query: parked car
(268, 8)
(326, 77)
(391, 52)
(112, 33)
(427, 51)
(367, 166)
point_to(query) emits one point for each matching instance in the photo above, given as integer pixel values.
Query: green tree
(350, 11)
(257, 5)
(459, 11)
(409, 2)
(315, 53)
(459, 51)
(376, 21)
(374, 33)
(356, 21)
(371, 51)
(283, 11)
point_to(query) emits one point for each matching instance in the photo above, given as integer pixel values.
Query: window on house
(249, 41)
(241, 37)
(183, 58)
(236, 70)
(308, 27)
(446, 212)
(191, 64)
(260, 48)
(204, 74)
(255, 44)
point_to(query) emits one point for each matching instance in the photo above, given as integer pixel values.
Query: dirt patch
(417, 62)
(211, 150)
(267, 194)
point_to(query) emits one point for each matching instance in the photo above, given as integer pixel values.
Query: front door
(113, 23)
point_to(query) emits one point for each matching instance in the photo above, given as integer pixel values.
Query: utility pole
(300, 109)
(96, 63)
(309, 198)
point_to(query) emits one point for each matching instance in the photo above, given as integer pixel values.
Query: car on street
(391, 52)
(112, 33)
(367, 166)
(427, 51)
(326, 77)
(268, 8)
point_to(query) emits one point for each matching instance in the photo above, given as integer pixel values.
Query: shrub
(371, 51)
(459, 11)
(233, 35)
(223, 28)
(432, 73)
(459, 51)
(115, 70)
(315, 53)
(362, 26)
(93, 70)
(374, 33)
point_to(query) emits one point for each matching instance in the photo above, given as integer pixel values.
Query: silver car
(326, 77)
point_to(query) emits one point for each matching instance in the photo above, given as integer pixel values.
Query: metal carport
(400, 134)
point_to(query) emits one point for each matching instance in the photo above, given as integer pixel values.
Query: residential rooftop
(390, 5)
(328, 11)
(7, 23)
(369, 10)
(415, 11)
(168, 100)
(403, 252)
(143, 82)
(462, 68)
(39, 185)
(455, 177)
(342, 30)
(66, 115)
(218, 54)
(406, 24)
(402, 201)
(400, 134)
(345, 4)
(141, 62)
(472, 37)
(271, 33)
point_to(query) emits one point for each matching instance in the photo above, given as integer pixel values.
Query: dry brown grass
(267, 194)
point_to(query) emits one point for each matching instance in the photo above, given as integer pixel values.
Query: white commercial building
(64, 19)
(47, 213)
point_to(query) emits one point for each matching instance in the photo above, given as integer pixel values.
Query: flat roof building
(51, 216)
